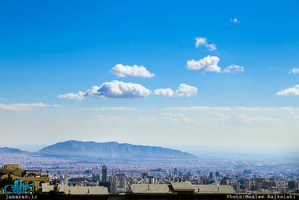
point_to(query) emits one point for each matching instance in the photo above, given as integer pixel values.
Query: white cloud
(227, 108)
(114, 89)
(208, 64)
(112, 108)
(200, 108)
(266, 109)
(256, 108)
(294, 71)
(136, 71)
(119, 89)
(289, 91)
(168, 116)
(24, 107)
(164, 91)
(117, 118)
(179, 117)
(235, 20)
(183, 90)
(79, 96)
(3, 99)
(216, 117)
(259, 120)
(201, 41)
(288, 109)
(233, 68)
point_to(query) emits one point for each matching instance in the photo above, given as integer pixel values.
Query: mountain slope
(111, 149)
(11, 150)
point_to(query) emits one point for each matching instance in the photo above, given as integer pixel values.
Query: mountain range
(11, 150)
(73, 148)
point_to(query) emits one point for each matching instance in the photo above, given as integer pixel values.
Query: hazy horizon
(194, 149)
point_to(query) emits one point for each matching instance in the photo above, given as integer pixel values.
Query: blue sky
(243, 89)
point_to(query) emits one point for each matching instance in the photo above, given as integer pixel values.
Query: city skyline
(171, 74)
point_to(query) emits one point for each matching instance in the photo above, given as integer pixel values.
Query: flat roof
(175, 187)
(182, 186)
(213, 189)
(150, 189)
(11, 163)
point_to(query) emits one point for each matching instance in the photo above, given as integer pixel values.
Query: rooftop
(150, 189)
(214, 189)
(176, 187)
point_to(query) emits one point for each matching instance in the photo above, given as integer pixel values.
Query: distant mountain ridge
(111, 150)
(11, 150)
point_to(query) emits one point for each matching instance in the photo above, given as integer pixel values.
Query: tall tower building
(247, 184)
(65, 179)
(144, 175)
(151, 180)
(175, 171)
(104, 173)
(113, 184)
(211, 175)
(122, 182)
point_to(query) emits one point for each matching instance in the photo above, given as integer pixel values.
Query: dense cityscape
(255, 175)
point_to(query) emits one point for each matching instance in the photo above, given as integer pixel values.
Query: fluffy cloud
(114, 89)
(201, 41)
(79, 96)
(183, 90)
(289, 91)
(2, 98)
(294, 71)
(208, 64)
(165, 92)
(24, 107)
(119, 89)
(235, 20)
(136, 71)
(233, 68)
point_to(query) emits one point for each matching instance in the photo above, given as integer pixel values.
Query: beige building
(76, 190)
(27, 176)
(180, 188)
